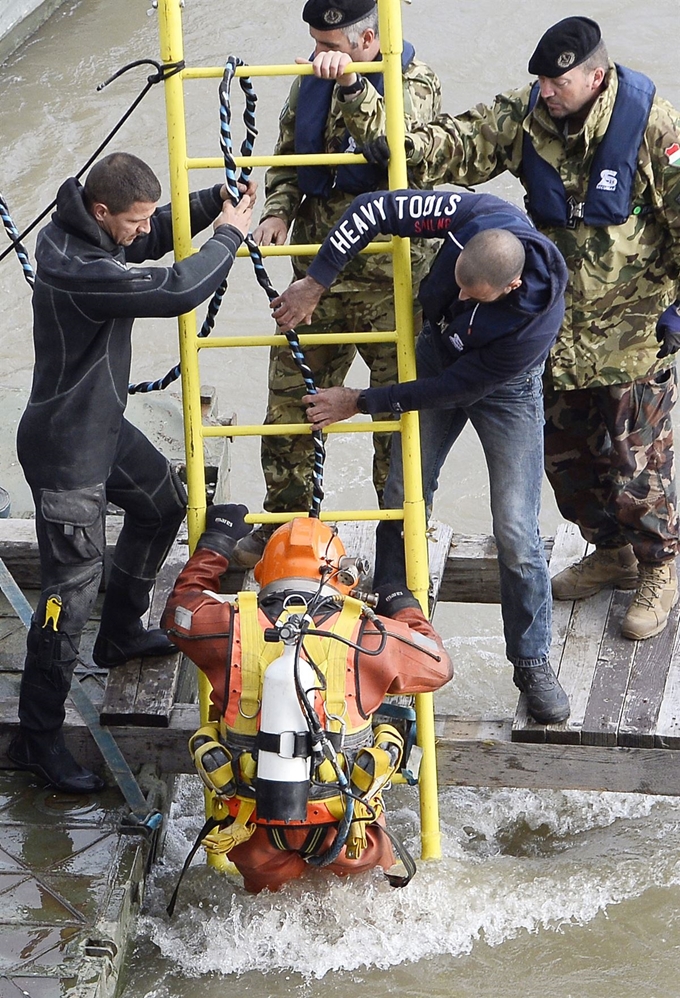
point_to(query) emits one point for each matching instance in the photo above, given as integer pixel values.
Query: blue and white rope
(19, 248)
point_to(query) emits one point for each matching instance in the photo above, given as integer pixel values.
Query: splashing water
(513, 861)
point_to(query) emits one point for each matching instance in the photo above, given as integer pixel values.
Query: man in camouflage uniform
(598, 154)
(312, 199)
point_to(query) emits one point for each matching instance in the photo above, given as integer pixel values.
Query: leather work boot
(45, 754)
(605, 568)
(546, 700)
(249, 549)
(657, 593)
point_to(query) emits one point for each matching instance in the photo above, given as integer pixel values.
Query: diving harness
(307, 762)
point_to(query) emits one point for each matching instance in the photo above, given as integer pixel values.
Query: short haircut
(598, 59)
(353, 32)
(493, 256)
(119, 180)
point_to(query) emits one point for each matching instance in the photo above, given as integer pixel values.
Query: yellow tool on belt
(53, 611)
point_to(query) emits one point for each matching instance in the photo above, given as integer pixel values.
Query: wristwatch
(361, 404)
(353, 88)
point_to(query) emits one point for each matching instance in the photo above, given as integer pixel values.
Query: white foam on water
(514, 861)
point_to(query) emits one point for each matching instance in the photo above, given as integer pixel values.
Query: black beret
(566, 45)
(327, 15)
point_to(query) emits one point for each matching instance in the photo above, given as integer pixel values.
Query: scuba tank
(283, 741)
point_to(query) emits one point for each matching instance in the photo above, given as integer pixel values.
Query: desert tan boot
(605, 568)
(657, 593)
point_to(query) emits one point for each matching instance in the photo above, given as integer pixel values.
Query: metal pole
(415, 541)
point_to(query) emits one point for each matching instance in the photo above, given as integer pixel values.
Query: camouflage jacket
(363, 116)
(621, 276)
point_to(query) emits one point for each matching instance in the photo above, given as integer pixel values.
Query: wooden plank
(577, 667)
(439, 537)
(494, 761)
(668, 723)
(559, 767)
(610, 679)
(647, 684)
(569, 546)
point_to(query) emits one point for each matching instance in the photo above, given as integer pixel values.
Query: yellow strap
(223, 841)
(336, 659)
(256, 654)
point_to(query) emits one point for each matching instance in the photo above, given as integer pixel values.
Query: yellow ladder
(413, 513)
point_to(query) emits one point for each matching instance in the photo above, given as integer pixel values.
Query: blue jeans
(509, 424)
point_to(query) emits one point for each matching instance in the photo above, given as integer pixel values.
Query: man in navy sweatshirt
(493, 304)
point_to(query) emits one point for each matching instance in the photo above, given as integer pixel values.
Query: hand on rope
(237, 215)
(331, 405)
(296, 304)
(233, 189)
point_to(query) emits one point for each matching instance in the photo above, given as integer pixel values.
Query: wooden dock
(625, 695)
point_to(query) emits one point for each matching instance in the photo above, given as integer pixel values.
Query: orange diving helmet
(306, 549)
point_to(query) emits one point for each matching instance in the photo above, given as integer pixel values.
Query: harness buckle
(576, 210)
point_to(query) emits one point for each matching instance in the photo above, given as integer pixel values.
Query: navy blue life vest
(314, 103)
(610, 188)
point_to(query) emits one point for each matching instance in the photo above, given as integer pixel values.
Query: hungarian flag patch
(673, 153)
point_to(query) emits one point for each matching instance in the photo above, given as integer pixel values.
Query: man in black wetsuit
(77, 450)
(493, 303)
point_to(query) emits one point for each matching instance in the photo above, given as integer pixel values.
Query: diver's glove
(224, 525)
(668, 330)
(392, 599)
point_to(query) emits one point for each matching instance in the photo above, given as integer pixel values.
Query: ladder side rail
(415, 540)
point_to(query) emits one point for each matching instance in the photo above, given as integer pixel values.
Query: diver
(293, 761)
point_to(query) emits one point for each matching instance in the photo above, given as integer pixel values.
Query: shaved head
(494, 257)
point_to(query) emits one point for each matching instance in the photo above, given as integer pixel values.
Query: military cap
(565, 45)
(327, 15)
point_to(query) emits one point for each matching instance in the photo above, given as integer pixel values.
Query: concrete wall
(19, 19)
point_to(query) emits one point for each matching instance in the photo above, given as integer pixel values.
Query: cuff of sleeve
(379, 400)
(215, 191)
(415, 149)
(218, 542)
(322, 273)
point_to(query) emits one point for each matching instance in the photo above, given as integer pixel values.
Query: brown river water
(537, 894)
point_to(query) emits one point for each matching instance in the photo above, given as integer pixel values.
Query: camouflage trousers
(287, 461)
(609, 458)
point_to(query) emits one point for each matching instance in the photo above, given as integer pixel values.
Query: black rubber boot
(45, 754)
(108, 653)
(39, 747)
(122, 636)
(546, 700)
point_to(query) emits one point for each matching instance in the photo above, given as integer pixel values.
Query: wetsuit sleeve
(204, 207)
(413, 659)
(397, 213)
(200, 624)
(112, 291)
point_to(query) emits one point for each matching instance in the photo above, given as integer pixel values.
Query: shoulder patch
(673, 153)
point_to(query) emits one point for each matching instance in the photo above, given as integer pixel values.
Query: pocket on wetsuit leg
(75, 523)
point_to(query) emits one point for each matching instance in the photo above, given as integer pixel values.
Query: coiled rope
(231, 182)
